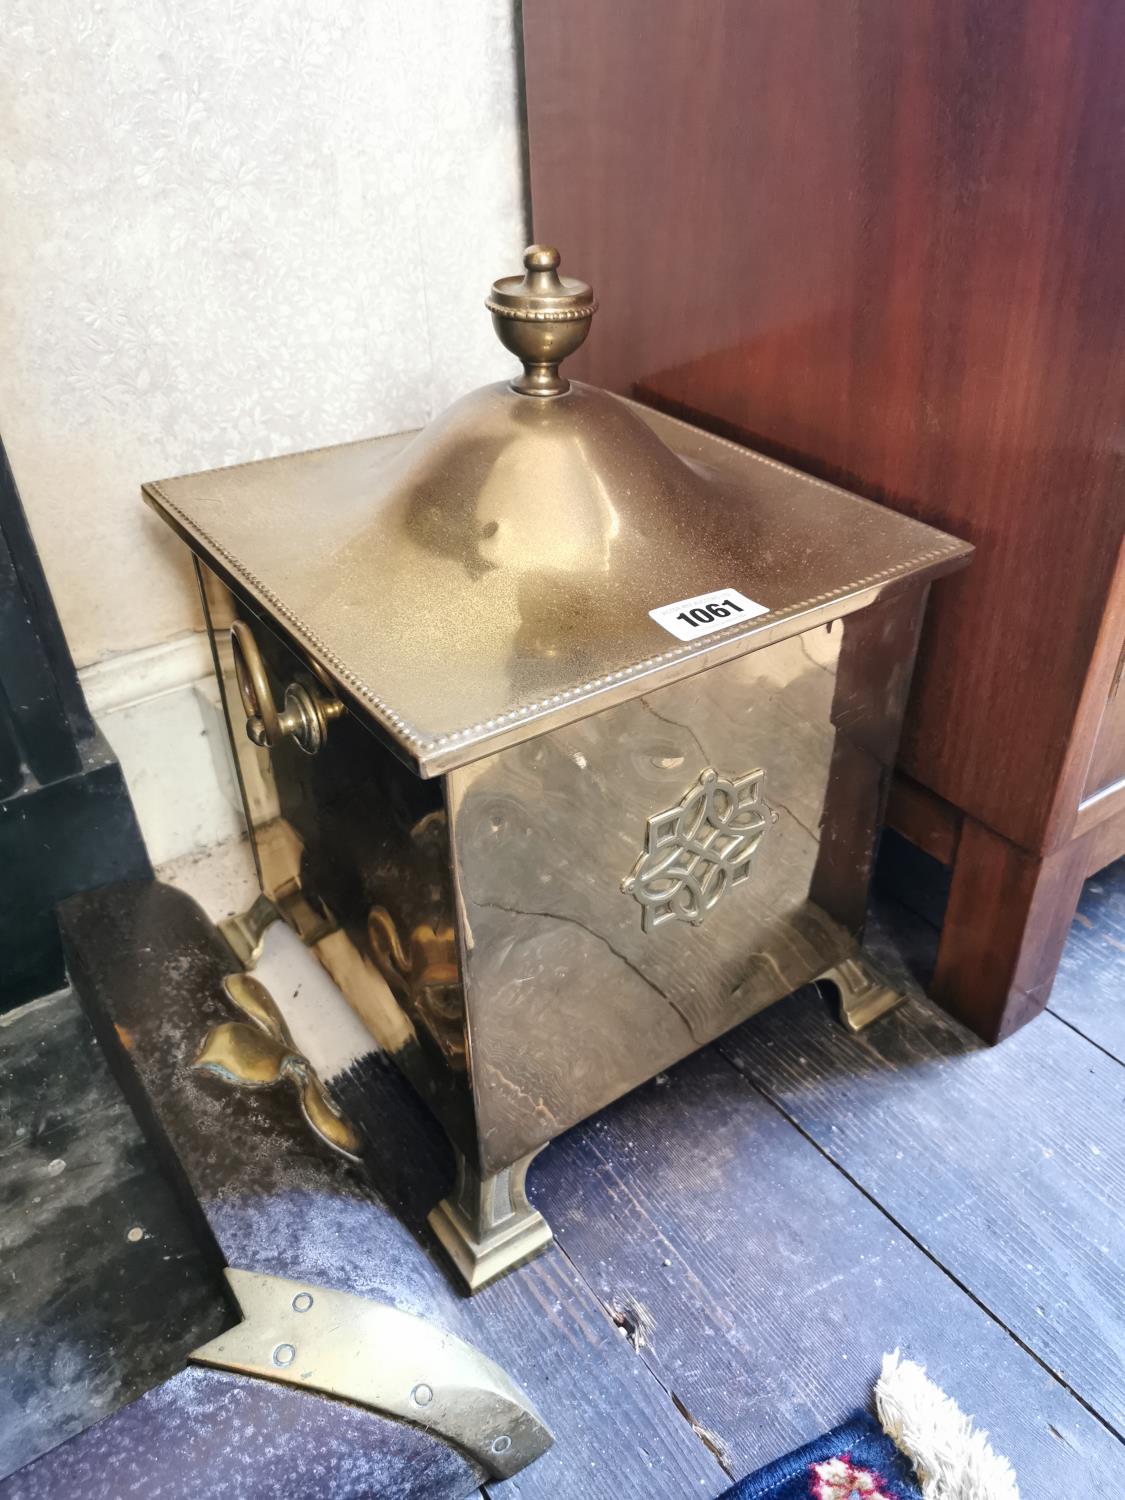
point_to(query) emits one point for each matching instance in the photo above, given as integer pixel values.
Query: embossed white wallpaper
(232, 229)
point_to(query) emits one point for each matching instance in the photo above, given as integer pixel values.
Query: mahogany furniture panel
(883, 241)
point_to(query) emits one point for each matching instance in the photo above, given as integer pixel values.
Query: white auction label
(688, 619)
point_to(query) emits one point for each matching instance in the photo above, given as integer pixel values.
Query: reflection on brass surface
(698, 849)
(422, 969)
(424, 976)
(352, 1348)
(245, 932)
(260, 1052)
(864, 994)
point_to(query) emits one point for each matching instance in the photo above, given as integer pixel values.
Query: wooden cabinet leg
(1008, 916)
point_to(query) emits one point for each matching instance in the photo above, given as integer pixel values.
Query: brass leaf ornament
(260, 1052)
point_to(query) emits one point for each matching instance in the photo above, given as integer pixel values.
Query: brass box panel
(478, 923)
(570, 1000)
(353, 849)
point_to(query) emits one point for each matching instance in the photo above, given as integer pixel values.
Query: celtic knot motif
(697, 850)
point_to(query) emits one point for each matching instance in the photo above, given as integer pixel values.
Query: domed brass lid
(511, 566)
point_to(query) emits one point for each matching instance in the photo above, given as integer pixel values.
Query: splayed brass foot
(486, 1225)
(864, 994)
(245, 932)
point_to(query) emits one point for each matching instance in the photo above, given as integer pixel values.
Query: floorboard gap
(1086, 1037)
(930, 1256)
(709, 1440)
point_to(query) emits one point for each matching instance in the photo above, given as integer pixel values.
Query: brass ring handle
(306, 713)
(262, 723)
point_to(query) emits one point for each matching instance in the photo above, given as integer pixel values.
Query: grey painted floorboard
(1089, 992)
(761, 1288)
(1003, 1162)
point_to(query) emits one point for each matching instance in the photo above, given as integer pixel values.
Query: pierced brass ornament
(696, 851)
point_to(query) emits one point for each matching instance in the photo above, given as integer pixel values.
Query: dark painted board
(1005, 1162)
(1089, 991)
(763, 1288)
(213, 1435)
(56, 838)
(89, 1317)
(147, 961)
(66, 821)
(40, 699)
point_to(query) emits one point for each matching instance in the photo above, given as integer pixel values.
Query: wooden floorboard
(1089, 991)
(618, 1433)
(1004, 1162)
(761, 1287)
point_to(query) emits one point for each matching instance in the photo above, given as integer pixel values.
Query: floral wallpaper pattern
(235, 228)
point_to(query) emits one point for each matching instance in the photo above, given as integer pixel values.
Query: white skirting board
(159, 710)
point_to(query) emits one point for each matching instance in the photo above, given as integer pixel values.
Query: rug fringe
(953, 1461)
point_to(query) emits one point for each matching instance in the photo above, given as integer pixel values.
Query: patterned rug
(855, 1459)
(922, 1448)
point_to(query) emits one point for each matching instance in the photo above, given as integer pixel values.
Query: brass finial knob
(541, 317)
